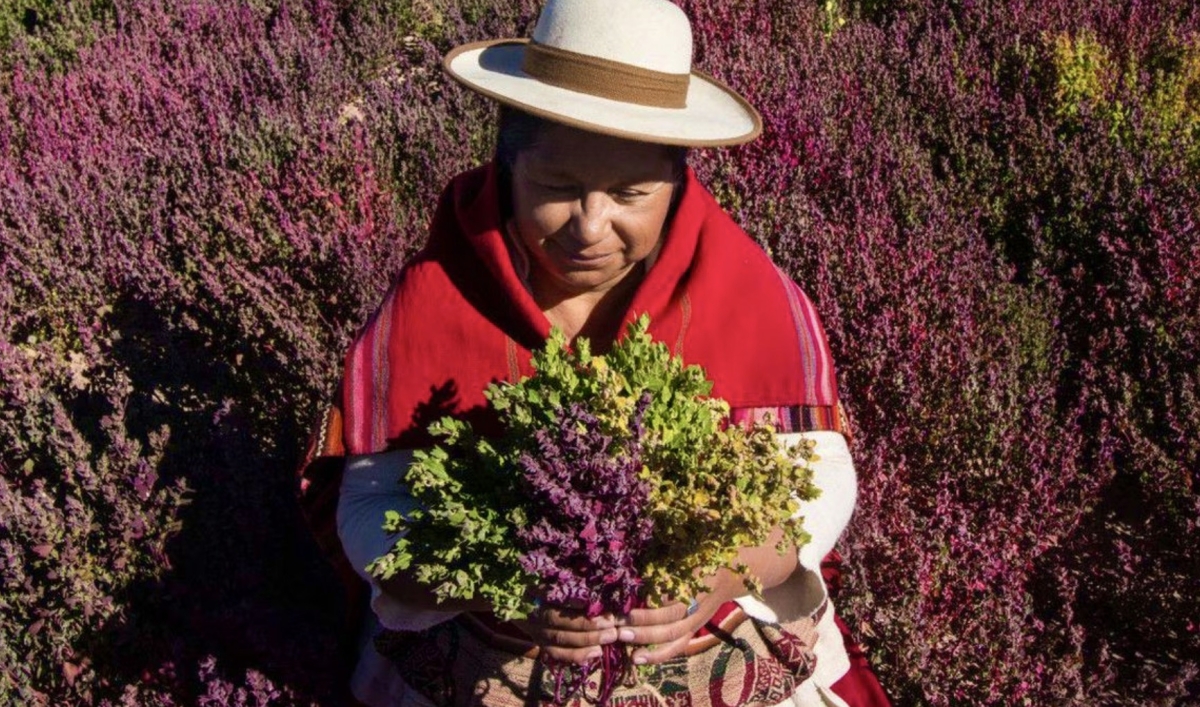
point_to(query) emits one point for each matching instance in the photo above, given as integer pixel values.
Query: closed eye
(554, 188)
(627, 194)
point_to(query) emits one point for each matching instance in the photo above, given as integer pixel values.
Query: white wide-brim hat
(617, 67)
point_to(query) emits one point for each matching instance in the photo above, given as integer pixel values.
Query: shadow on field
(245, 583)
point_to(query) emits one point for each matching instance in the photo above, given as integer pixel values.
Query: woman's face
(588, 208)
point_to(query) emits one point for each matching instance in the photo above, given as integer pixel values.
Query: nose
(591, 217)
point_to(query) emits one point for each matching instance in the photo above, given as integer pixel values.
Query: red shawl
(459, 317)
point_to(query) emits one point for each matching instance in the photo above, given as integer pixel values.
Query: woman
(588, 218)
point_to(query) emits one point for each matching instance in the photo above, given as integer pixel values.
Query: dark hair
(519, 131)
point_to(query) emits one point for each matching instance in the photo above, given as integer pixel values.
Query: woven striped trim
(793, 418)
(514, 366)
(685, 307)
(326, 441)
(331, 442)
(816, 358)
(367, 378)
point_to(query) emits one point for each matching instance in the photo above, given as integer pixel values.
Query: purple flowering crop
(592, 517)
(994, 205)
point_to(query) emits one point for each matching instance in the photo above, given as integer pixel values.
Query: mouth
(586, 260)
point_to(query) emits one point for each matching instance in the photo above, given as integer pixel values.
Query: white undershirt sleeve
(371, 487)
(825, 517)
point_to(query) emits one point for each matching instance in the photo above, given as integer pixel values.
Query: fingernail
(626, 635)
(639, 659)
(593, 654)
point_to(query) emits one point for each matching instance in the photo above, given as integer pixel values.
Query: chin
(586, 279)
(581, 282)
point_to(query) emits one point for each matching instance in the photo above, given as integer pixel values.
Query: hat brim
(715, 114)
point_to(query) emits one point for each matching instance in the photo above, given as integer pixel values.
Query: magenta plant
(996, 226)
(194, 216)
(994, 205)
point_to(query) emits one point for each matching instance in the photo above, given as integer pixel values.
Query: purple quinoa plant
(593, 520)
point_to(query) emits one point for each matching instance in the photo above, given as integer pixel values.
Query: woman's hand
(663, 633)
(568, 635)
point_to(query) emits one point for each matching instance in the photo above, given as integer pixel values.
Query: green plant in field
(1084, 73)
(54, 31)
(831, 17)
(1173, 103)
(1163, 90)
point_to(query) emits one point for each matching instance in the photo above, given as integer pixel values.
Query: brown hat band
(605, 78)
